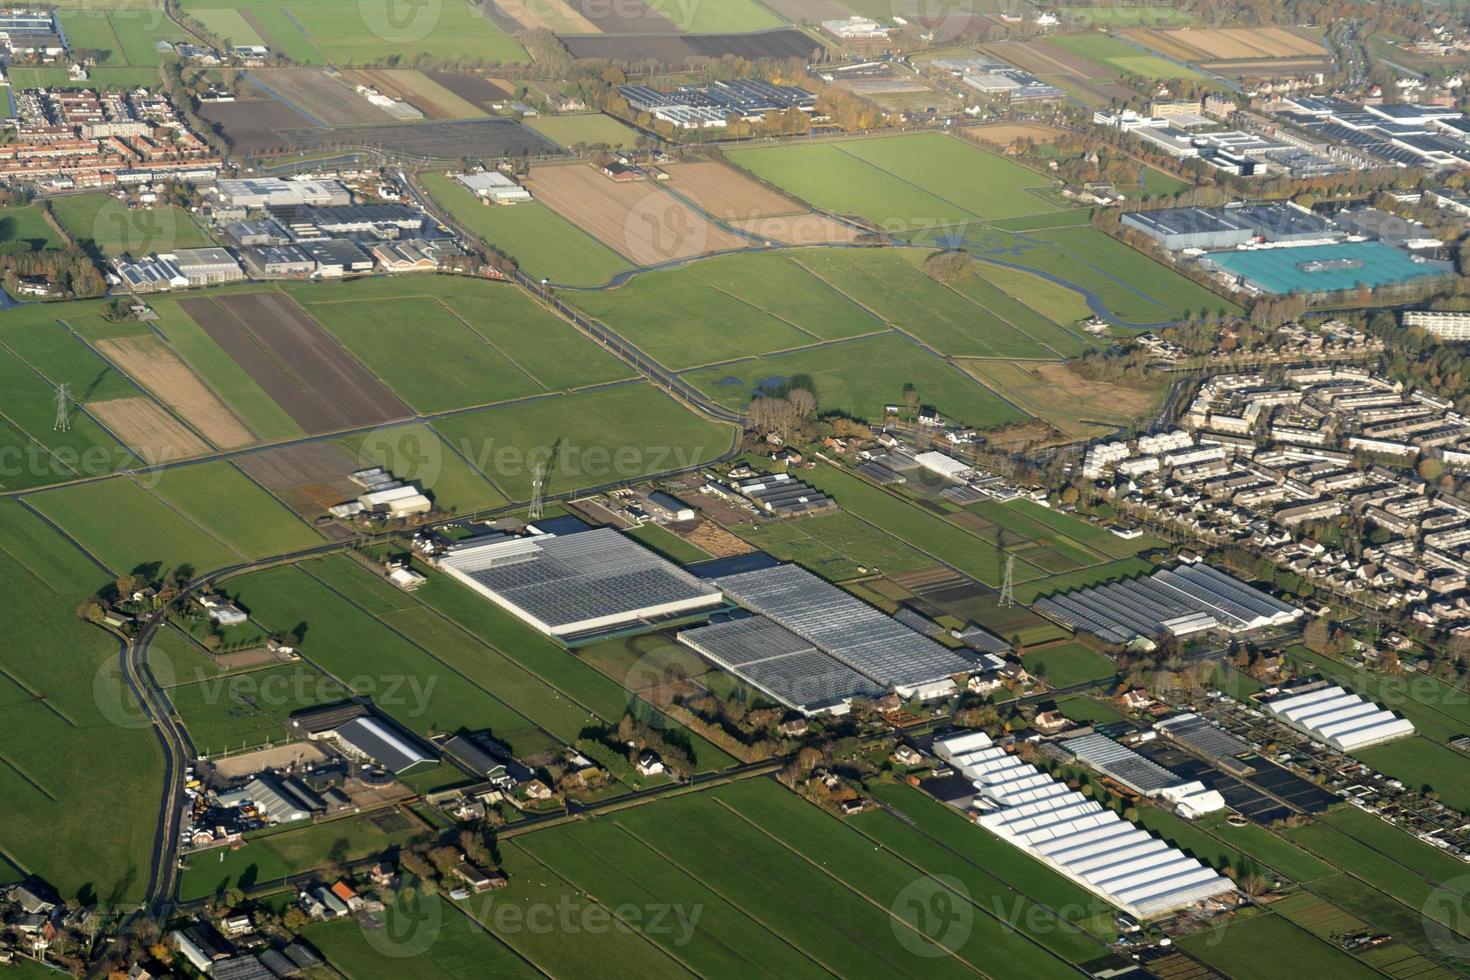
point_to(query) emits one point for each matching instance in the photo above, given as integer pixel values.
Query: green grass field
(586, 129)
(541, 241)
(1239, 949)
(446, 366)
(97, 78)
(100, 222)
(251, 708)
(126, 527)
(1069, 663)
(27, 224)
(343, 32)
(1126, 16)
(667, 543)
(905, 184)
(69, 716)
(1121, 57)
(217, 496)
(836, 546)
(859, 378)
(728, 16)
(611, 434)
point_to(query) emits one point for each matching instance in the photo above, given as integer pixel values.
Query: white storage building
(1339, 718)
(495, 187)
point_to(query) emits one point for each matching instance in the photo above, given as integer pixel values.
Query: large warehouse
(582, 583)
(1338, 718)
(1075, 835)
(849, 630)
(1178, 601)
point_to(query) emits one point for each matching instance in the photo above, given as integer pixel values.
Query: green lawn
(541, 241)
(668, 544)
(101, 222)
(836, 546)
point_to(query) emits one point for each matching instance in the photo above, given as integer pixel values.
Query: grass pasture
(923, 182)
(541, 241)
(1236, 949)
(27, 224)
(105, 226)
(858, 378)
(217, 496)
(250, 708)
(69, 716)
(1066, 664)
(1122, 58)
(343, 32)
(585, 129)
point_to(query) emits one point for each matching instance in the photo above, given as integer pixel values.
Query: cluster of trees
(69, 271)
(786, 413)
(182, 92)
(635, 736)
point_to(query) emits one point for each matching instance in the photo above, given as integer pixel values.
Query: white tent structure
(1339, 718)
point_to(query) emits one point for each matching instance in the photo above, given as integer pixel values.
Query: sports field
(345, 32)
(904, 184)
(542, 242)
(69, 716)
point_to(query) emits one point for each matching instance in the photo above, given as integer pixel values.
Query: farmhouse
(566, 585)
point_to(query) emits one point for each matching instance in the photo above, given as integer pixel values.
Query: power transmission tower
(538, 480)
(63, 419)
(1008, 586)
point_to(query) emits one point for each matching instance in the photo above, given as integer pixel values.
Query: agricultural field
(1121, 57)
(70, 716)
(343, 32)
(541, 241)
(835, 546)
(846, 382)
(418, 90)
(902, 184)
(1236, 949)
(1208, 46)
(125, 36)
(279, 345)
(413, 451)
(638, 220)
(742, 202)
(328, 100)
(585, 129)
(1123, 15)
(219, 497)
(616, 433)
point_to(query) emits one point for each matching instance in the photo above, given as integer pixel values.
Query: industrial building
(337, 257)
(1077, 836)
(1217, 228)
(711, 106)
(372, 738)
(206, 266)
(576, 584)
(494, 186)
(262, 192)
(875, 645)
(274, 261)
(1179, 601)
(1339, 718)
(278, 799)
